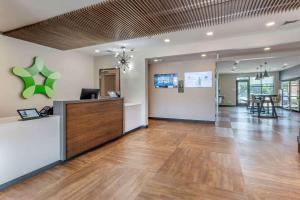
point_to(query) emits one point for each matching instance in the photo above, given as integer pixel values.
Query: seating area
(264, 105)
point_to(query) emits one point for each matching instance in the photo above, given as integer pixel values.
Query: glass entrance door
(294, 95)
(242, 90)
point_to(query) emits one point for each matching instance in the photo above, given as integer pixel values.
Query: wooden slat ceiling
(114, 20)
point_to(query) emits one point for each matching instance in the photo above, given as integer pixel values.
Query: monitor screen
(89, 94)
(29, 113)
(165, 81)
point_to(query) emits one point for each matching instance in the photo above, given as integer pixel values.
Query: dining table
(262, 98)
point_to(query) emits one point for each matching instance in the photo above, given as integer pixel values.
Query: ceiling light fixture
(269, 24)
(203, 55)
(123, 60)
(167, 40)
(210, 33)
(267, 49)
(266, 74)
(158, 60)
(260, 74)
(97, 51)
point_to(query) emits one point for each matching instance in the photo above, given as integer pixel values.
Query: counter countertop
(14, 119)
(132, 104)
(90, 100)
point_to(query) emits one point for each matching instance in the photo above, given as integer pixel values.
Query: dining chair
(254, 104)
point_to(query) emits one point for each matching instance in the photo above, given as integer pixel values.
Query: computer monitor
(89, 94)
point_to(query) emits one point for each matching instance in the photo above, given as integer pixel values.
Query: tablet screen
(28, 113)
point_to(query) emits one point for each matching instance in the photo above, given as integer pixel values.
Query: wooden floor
(239, 158)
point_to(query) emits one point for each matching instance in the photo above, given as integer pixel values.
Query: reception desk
(86, 124)
(27, 147)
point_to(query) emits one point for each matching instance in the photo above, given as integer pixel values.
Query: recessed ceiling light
(155, 60)
(203, 55)
(267, 49)
(167, 40)
(131, 56)
(269, 24)
(285, 64)
(210, 33)
(97, 51)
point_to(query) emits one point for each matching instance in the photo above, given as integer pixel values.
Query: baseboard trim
(27, 176)
(135, 129)
(183, 120)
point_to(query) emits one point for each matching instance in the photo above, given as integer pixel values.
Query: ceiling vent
(110, 52)
(286, 23)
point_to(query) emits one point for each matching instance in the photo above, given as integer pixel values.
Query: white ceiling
(281, 57)
(248, 66)
(19, 13)
(242, 27)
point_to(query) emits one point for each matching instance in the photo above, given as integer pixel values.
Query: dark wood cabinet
(88, 124)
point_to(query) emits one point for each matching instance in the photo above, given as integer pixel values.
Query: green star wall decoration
(27, 74)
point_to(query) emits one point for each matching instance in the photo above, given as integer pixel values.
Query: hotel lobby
(132, 99)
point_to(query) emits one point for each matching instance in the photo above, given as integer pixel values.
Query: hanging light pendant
(123, 60)
(266, 74)
(257, 77)
(257, 74)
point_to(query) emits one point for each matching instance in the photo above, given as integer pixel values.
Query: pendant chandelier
(266, 74)
(261, 75)
(123, 60)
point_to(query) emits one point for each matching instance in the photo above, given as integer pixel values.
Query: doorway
(242, 92)
(109, 80)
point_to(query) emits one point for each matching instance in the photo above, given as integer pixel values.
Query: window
(291, 95)
(264, 86)
(285, 86)
(242, 78)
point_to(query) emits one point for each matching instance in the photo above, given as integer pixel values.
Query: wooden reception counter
(87, 124)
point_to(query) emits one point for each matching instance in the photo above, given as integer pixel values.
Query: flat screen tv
(165, 81)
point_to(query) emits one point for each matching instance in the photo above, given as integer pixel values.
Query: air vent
(290, 22)
(110, 51)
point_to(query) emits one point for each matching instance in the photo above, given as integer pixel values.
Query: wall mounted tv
(165, 81)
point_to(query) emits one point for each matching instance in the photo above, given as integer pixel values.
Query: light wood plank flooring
(242, 157)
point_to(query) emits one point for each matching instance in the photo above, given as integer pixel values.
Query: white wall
(193, 104)
(290, 74)
(76, 70)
